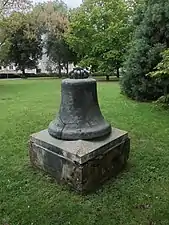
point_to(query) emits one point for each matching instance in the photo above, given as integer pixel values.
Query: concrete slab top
(79, 151)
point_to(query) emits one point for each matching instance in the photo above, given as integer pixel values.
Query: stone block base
(84, 165)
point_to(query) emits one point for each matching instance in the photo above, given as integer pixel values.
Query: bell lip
(79, 134)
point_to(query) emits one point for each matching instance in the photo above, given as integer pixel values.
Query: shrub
(151, 37)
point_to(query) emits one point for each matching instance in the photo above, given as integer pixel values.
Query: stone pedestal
(84, 165)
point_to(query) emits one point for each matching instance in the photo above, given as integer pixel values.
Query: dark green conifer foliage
(151, 37)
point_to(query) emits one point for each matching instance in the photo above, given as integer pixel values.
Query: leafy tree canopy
(99, 33)
(9, 6)
(53, 17)
(23, 44)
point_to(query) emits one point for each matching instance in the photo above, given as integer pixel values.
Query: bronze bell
(79, 116)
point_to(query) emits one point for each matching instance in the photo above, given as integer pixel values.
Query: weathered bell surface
(79, 116)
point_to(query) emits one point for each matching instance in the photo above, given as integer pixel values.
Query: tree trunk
(67, 68)
(23, 74)
(118, 73)
(107, 77)
(60, 70)
(166, 85)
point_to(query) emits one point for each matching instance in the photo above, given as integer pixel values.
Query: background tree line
(22, 29)
(126, 38)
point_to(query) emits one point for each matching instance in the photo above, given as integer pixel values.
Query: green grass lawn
(139, 196)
